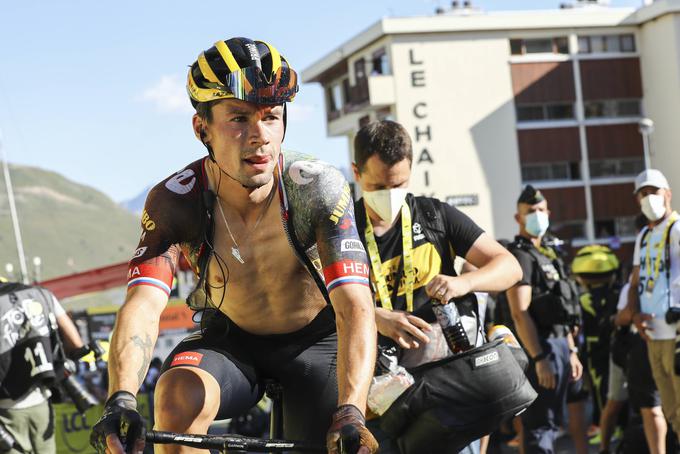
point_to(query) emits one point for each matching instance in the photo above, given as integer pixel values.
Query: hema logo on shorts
(186, 359)
(487, 359)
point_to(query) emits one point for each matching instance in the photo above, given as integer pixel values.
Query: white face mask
(653, 207)
(537, 223)
(386, 202)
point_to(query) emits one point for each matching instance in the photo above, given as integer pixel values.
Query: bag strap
(432, 214)
(667, 261)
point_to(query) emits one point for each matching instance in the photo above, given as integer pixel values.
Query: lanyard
(407, 257)
(659, 254)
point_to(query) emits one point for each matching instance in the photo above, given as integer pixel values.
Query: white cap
(650, 177)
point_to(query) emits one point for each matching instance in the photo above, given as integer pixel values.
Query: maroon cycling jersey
(316, 210)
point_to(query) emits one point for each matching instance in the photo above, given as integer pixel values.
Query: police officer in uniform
(544, 307)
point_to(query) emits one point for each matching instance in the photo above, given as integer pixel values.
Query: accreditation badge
(649, 287)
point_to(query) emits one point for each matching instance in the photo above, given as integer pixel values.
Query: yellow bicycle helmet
(243, 69)
(595, 259)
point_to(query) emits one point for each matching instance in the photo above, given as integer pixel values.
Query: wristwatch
(573, 349)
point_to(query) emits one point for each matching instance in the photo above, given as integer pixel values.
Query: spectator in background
(596, 268)
(654, 286)
(31, 322)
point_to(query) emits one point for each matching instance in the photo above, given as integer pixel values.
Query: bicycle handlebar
(231, 443)
(348, 443)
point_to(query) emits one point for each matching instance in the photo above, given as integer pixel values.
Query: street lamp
(646, 128)
(37, 262)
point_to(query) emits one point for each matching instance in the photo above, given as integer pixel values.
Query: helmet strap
(285, 120)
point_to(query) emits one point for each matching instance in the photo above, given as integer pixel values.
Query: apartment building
(497, 100)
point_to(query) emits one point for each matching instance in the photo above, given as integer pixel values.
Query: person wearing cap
(544, 308)
(630, 351)
(596, 269)
(655, 286)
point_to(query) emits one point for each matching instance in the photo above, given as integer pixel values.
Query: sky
(94, 90)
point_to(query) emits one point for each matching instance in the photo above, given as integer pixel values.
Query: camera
(80, 396)
(672, 315)
(66, 380)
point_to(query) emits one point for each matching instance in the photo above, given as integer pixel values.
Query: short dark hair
(204, 109)
(388, 139)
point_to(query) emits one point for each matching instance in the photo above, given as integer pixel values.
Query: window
(380, 63)
(627, 43)
(614, 167)
(360, 69)
(569, 230)
(335, 97)
(559, 45)
(606, 43)
(618, 226)
(613, 43)
(612, 108)
(384, 114)
(530, 113)
(551, 171)
(540, 112)
(516, 47)
(559, 111)
(538, 46)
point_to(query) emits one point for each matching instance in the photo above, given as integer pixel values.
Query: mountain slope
(71, 227)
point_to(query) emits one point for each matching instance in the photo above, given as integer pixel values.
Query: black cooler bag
(457, 400)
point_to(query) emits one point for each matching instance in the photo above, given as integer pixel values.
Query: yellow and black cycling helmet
(595, 259)
(244, 69)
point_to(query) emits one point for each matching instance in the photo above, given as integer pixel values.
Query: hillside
(71, 227)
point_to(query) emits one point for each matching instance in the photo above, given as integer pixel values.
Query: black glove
(121, 418)
(349, 415)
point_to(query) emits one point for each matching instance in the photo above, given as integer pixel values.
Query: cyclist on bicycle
(267, 272)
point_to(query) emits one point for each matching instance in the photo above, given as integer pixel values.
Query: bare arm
(69, 334)
(497, 269)
(519, 299)
(357, 343)
(134, 337)
(624, 317)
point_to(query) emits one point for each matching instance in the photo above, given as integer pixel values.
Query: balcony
(374, 91)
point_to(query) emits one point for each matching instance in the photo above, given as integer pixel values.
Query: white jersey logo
(178, 184)
(350, 245)
(302, 172)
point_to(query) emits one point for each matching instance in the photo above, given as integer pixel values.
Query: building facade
(494, 101)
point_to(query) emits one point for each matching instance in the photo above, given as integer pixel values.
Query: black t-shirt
(461, 232)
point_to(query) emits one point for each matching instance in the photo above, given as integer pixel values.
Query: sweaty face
(246, 140)
(377, 175)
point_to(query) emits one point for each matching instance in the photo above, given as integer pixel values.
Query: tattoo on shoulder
(147, 349)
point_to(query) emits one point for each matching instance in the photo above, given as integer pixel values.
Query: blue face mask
(536, 223)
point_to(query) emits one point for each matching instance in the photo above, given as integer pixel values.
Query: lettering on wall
(422, 133)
